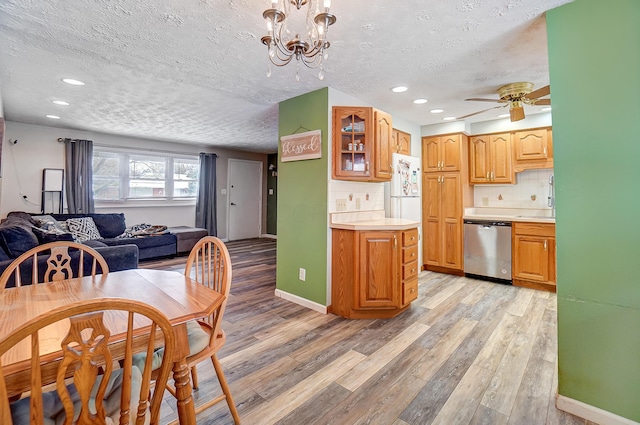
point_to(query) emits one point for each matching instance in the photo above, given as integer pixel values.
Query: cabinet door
(430, 154)
(451, 195)
(501, 168)
(403, 143)
(383, 145)
(450, 152)
(532, 145)
(352, 128)
(379, 280)
(479, 153)
(431, 212)
(532, 257)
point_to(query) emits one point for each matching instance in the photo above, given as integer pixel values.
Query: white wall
(37, 148)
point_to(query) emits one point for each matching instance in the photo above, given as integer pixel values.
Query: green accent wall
(594, 61)
(302, 202)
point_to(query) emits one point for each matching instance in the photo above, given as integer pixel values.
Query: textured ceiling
(194, 71)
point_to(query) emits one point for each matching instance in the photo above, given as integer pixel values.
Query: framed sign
(298, 147)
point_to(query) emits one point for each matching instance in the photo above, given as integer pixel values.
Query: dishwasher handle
(485, 224)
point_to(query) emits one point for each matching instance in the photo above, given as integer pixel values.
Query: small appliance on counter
(487, 250)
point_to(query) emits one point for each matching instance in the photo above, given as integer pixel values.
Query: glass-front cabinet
(357, 139)
(353, 137)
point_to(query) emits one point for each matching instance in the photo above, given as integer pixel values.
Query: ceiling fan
(515, 95)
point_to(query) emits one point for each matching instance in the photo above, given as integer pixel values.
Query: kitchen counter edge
(381, 224)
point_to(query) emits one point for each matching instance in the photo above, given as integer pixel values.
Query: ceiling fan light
(516, 113)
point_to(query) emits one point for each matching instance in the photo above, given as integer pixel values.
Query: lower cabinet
(374, 273)
(534, 255)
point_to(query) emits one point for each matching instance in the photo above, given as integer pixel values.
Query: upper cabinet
(401, 142)
(490, 159)
(362, 144)
(442, 153)
(533, 149)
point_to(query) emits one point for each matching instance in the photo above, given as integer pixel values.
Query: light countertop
(369, 220)
(510, 214)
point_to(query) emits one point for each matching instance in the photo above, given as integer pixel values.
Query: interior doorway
(245, 199)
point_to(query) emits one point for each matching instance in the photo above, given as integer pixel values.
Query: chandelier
(284, 44)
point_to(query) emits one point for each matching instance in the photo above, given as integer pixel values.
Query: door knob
(232, 203)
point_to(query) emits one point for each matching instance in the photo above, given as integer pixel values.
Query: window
(120, 175)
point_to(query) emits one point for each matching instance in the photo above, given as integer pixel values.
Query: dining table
(179, 297)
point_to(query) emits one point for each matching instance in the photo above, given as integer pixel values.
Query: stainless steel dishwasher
(487, 250)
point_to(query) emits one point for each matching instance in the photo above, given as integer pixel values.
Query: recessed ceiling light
(437, 111)
(399, 89)
(503, 115)
(449, 119)
(546, 109)
(73, 82)
(53, 117)
(420, 101)
(61, 102)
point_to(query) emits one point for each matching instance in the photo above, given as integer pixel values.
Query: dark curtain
(206, 204)
(79, 176)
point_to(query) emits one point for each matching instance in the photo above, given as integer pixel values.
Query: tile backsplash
(530, 191)
(370, 195)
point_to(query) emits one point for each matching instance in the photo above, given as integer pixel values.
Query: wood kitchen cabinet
(445, 194)
(534, 255)
(490, 159)
(442, 221)
(401, 142)
(533, 149)
(442, 153)
(374, 273)
(362, 144)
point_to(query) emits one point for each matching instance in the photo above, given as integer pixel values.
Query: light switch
(223, 191)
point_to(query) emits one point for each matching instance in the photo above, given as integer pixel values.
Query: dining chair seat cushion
(198, 341)
(53, 409)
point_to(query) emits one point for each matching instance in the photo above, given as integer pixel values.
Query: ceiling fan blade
(542, 91)
(543, 102)
(479, 112)
(477, 99)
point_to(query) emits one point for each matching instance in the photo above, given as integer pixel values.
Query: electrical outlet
(341, 204)
(302, 274)
(357, 203)
(485, 201)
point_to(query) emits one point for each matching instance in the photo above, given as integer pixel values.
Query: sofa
(21, 231)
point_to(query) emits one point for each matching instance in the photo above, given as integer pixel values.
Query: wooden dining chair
(60, 264)
(88, 385)
(209, 263)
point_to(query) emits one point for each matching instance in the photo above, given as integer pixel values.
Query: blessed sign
(297, 147)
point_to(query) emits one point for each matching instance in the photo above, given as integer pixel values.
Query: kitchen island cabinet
(374, 273)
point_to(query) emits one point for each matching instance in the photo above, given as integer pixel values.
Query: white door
(245, 199)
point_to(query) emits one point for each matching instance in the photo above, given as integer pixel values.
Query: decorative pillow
(83, 229)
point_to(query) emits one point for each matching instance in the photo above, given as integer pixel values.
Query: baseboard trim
(590, 413)
(268, 236)
(301, 301)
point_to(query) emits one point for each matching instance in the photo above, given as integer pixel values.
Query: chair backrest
(124, 394)
(60, 264)
(209, 263)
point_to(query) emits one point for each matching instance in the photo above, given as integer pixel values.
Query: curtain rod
(102, 145)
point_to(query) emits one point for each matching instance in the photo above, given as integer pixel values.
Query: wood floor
(467, 352)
